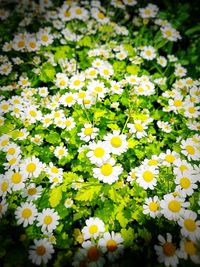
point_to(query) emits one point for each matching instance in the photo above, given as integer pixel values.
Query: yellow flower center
(78, 11)
(32, 44)
(33, 113)
(153, 206)
(169, 249)
(4, 142)
(152, 162)
(106, 169)
(138, 127)
(69, 99)
(67, 14)
(93, 229)
(57, 114)
(170, 158)
(4, 186)
(12, 161)
(45, 38)
(40, 250)
(174, 206)
(111, 245)
(47, 219)
(183, 168)
(21, 44)
(16, 178)
(88, 131)
(93, 254)
(55, 180)
(99, 152)
(32, 191)
(61, 152)
(178, 103)
(168, 33)
(11, 151)
(190, 225)
(191, 110)
(148, 176)
(31, 167)
(98, 89)
(4, 107)
(54, 169)
(106, 72)
(101, 15)
(190, 247)
(190, 149)
(67, 122)
(185, 182)
(81, 94)
(26, 213)
(148, 53)
(92, 73)
(116, 141)
(77, 82)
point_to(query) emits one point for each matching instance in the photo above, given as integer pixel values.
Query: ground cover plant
(99, 135)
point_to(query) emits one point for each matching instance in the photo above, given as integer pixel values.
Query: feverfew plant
(99, 137)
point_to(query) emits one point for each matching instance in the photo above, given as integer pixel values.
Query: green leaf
(55, 196)
(85, 41)
(47, 73)
(88, 192)
(123, 221)
(63, 52)
(128, 236)
(133, 69)
(53, 138)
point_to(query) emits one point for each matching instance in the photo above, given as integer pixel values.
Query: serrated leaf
(47, 72)
(88, 192)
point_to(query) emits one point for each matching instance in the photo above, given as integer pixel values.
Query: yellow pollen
(191, 110)
(183, 168)
(185, 182)
(40, 250)
(26, 213)
(32, 44)
(99, 152)
(33, 113)
(92, 72)
(16, 178)
(21, 44)
(12, 161)
(101, 15)
(152, 162)
(168, 33)
(138, 127)
(69, 99)
(47, 220)
(88, 131)
(81, 94)
(77, 82)
(106, 72)
(93, 229)
(86, 101)
(31, 167)
(4, 186)
(11, 151)
(169, 249)
(45, 38)
(170, 158)
(153, 206)
(148, 176)
(32, 191)
(62, 82)
(54, 169)
(174, 206)
(4, 142)
(67, 14)
(178, 103)
(116, 141)
(190, 149)
(67, 122)
(190, 247)
(98, 89)
(106, 169)
(61, 152)
(190, 225)
(111, 245)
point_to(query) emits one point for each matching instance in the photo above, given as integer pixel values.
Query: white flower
(112, 244)
(146, 176)
(32, 192)
(152, 206)
(186, 181)
(61, 80)
(107, 172)
(190, 226)
(88, 132)
(172, 207)
(3, 207)
(54, 171)
(116, 142)
(17, 179)
(169, 157)
(148, 52)
(60, 151)
(5, 186)
(138, 128)
(94, 226)
(68, 203)
(189, 249)
(189, 149)
(37, 139)
(167, 252)
(68, 99)
(26, 214)
(171, 34)
(76, 82)
(41, 251)
(69, 123)
(97, 88)
(31, 167)
(98, 153)
(48, 219)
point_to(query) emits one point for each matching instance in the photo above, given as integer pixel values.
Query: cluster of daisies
(107, 111)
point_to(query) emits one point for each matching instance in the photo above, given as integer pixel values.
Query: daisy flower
(69, 123)
(152, 206)
(32, 192)
(111, 243)
(12, 162)
(138, 128)
(54, 171)
(107, 172)
(172, 207)
(116, 87)
(12, 150)
(5, 186)
(131, 175)
(186, 182)
(93, 228)
(68, 203)
(189, 149)
(37, 139)
(26, 214)
(68, 99)
(48, 219)
(77, 82)
(47, 120)
(98, 153)
(93, 254)
(146, 176)
(169, 157)
(97, 88)
(60, 151)
(150, 11)
(3, 207)
(167, 252)
(190, 227)
(116, 142)
(61, 80)
(31, 167)
(16, 178)
(88, 132)
(41, 251)
(189, 249)
(148, 52)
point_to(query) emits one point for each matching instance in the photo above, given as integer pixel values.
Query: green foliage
(55, 196)
(47, 72)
